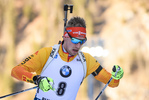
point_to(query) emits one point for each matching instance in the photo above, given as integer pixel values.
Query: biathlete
(59, 70)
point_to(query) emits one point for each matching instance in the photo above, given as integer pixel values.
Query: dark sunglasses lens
(83, 41)
(76, 41)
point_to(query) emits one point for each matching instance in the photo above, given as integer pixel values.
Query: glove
(119, 74)
(44, 83)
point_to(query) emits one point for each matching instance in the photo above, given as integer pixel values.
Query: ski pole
(107, 84)
(18, 92)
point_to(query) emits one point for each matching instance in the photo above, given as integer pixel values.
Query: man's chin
(74, 53)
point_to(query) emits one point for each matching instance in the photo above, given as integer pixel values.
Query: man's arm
(31, 66)
(103, 76)
(99, 73)
(22, 73)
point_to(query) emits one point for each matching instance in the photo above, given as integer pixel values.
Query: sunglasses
(75, 40)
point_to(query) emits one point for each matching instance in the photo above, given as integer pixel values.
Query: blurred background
(117, 31)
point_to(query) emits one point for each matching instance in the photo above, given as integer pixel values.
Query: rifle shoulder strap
(52, 55)
(83, 60)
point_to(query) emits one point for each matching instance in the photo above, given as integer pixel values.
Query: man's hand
(119, 73)
(44, 83)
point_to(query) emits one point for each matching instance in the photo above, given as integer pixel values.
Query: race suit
(67, 73)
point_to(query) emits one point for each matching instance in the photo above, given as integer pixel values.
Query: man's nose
(78, 45)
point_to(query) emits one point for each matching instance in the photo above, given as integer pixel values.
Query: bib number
(61, 88)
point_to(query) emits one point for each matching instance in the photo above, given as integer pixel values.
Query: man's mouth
(75, 50)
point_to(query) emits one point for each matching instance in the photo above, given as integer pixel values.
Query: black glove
(37, 79)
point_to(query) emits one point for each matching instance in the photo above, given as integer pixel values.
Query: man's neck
(65, 51)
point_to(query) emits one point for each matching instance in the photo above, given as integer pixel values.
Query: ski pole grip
(114, 68)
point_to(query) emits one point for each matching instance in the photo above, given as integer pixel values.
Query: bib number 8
(61, 88)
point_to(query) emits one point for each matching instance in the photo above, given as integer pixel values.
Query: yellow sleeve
(32, 65)
(91, 63)
(103, 76)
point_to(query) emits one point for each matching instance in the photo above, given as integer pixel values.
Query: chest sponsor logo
(52, 52)
(65, 71)
(27, 59)
(83, 57)
(78, 59)
(44, 98)
(56, 56)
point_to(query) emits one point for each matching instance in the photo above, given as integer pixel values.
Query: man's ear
(64, 38)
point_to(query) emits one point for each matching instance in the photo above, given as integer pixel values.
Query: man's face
(70, 47)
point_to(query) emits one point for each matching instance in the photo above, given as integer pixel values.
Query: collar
(64, 55)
